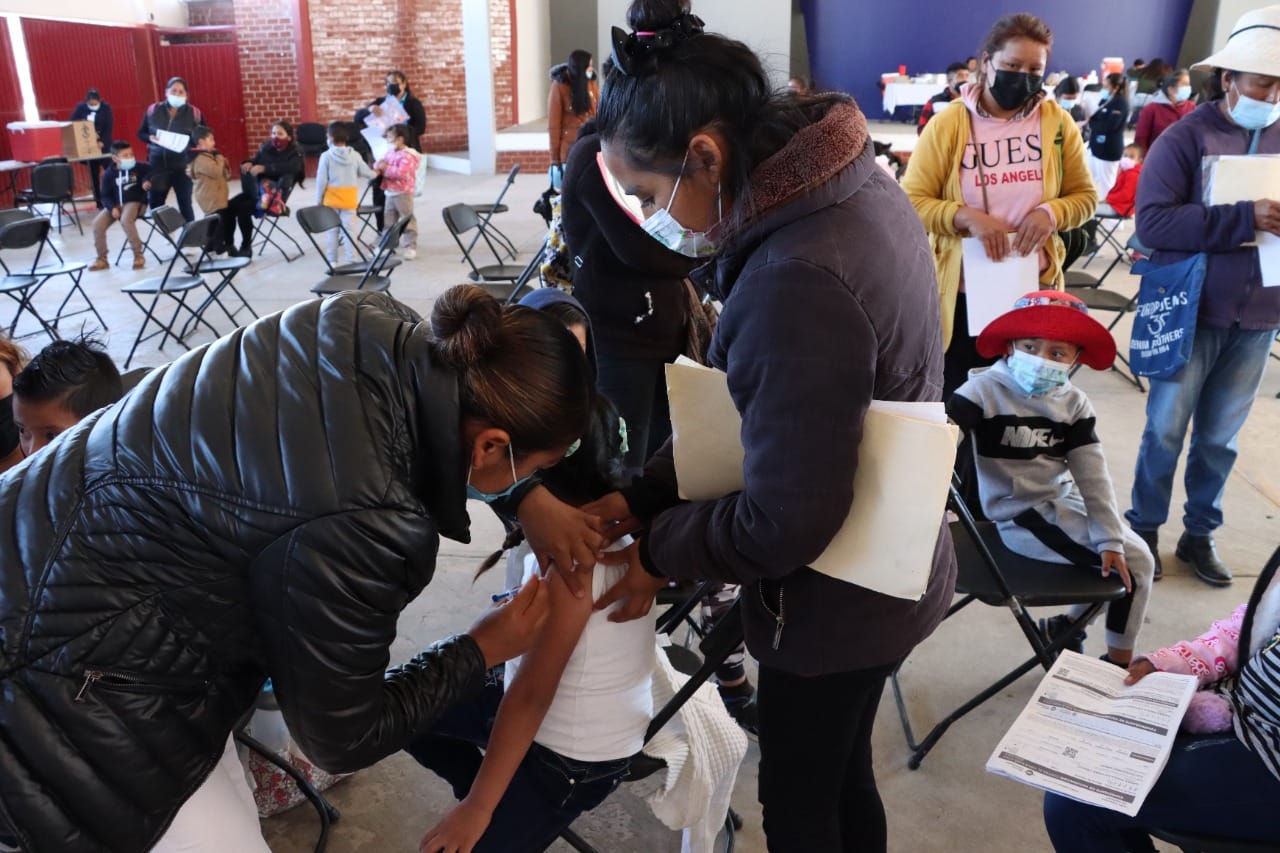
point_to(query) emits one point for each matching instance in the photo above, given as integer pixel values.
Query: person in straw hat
(1041, 473)
(1238, 316)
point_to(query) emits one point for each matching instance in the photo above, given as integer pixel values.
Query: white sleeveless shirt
(604, 702)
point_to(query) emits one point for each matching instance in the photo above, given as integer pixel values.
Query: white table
(909, 94)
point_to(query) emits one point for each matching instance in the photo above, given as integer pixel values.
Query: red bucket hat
(1053, 315)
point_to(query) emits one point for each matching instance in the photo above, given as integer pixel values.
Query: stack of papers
(1087, 735)
(900, 487)
(1233, 178)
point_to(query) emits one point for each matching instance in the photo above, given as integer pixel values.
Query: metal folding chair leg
(1046, 652)
(76, 287)
(146, 243)
(25, 305)
(267, 228)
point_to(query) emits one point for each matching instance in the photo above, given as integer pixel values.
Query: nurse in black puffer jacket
(265, 506)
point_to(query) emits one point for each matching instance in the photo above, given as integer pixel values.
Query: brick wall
(531, 162)
(354, 43)
(268, 65)
(504, 69)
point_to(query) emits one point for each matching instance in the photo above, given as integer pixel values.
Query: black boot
(1152, 538)
(1200, 552)
(1055, 626)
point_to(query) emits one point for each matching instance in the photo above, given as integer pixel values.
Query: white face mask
(664, 228)
(1252, 114)
(1127, 163)
(1183, 93)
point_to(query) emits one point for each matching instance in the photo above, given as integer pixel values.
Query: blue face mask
(1252, 114)
(1037, 375)
(176, 101)
(494, 497)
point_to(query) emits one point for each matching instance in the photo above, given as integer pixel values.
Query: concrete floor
(951, 803)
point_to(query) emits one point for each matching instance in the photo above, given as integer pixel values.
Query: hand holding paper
(991, 287)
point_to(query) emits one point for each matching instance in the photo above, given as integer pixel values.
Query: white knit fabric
(702, 747)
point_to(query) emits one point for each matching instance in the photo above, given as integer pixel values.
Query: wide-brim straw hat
(1253, 46)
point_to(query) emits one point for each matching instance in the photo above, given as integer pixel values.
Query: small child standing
(66, 381)
(399, 170)
(125, 184)
(211, 173)
(338, 176)
(1041, 473)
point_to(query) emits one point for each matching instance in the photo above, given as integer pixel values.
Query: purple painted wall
(852, 43)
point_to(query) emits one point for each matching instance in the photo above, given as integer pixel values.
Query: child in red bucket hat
(1041, 473)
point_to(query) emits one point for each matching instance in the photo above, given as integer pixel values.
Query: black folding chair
(176, 283)
(992, 574)
(164, 221)
(367, 212)
(499, 279)
(487, 211)
(267, 229)
(1097, 298)
(53, 184)
(312, 138)
(718, 643)
(226, 269)
(377, 274)
(1107, 226)
(22, 283)
(320, 220)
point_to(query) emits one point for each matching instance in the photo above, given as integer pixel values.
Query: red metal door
(10, 106)
(208, 59)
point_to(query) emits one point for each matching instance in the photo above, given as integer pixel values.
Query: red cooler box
(36, 140)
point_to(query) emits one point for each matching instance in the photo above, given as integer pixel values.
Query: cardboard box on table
(34, 141)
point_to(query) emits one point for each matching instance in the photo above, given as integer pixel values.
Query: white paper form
(378, 145)
(1232, 178)
(393, 113)
(991, 287)
(1088, 736)
(175, 142)
(900, 486)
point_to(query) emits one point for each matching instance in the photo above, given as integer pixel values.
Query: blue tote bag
(1164, 320)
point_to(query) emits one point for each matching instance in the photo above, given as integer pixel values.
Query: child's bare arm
(520, 713)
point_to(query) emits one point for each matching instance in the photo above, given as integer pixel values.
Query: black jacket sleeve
(105, 124)
(330, 593)
(417, 120)
(144, 129)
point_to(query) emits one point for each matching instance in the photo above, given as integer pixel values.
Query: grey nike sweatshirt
(1039, 453)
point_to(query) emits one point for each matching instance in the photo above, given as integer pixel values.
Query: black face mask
(1012, 89)
(8, 430)
(393, 89)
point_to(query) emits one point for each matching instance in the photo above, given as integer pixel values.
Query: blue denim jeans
(545, 796)
(1215, 390)
(1212, 785)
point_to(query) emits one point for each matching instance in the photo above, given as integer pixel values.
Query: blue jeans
(545, 796)
(1212, 785)
(1216, 389)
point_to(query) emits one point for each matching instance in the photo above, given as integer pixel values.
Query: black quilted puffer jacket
(264, 506)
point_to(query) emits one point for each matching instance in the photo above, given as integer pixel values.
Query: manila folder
(900, 488)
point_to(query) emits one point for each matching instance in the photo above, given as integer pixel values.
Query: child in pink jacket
(1223, 778)
(399, 171)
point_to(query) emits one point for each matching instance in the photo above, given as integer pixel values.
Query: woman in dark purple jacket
(1238, 316)
(830, 300)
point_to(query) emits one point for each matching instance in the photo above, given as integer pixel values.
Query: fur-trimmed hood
(823, 164)
(560, 73)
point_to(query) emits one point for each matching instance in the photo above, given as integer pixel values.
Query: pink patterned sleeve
(1210, 657)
